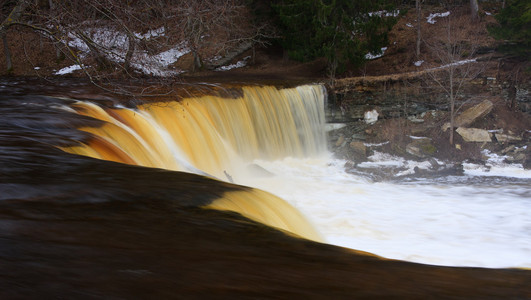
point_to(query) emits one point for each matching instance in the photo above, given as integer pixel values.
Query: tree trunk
(130, 52)
(474, 10)
(452, 106)
(418, 9)
(9, 61)
(13, 17)
(197, 64)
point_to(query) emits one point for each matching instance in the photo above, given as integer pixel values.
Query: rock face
(474, 134)
(470, 115)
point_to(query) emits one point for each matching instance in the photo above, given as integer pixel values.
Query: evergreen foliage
(515, 28)
(343, 31)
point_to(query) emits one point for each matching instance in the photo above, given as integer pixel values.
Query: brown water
(75, 227)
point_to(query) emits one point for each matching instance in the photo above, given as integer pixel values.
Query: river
(137, 222)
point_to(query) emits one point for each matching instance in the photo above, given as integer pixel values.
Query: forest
(131, 38)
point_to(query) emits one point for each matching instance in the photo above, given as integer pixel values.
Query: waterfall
(217, 137)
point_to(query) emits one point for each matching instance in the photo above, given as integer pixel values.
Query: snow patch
(68, 70)
(370, 56)
(239, 64)
(431, 17)
(457, 63)
(385, 13)
(116, 43)
(151, 33)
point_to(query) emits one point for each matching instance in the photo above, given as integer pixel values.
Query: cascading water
(210, 134)
(219, 138)
(274, 139)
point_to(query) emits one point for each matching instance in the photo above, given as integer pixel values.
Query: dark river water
(74, 227)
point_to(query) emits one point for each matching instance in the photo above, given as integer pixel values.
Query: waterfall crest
(218, 137)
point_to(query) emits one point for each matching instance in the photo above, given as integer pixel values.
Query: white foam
(458, 225)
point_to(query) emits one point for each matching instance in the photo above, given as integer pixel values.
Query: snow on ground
(385, 13)
(431, 17)
(115, 44)
(68, 70)
(457, 63)
(239, 64)
(496, 165)
(370, 56)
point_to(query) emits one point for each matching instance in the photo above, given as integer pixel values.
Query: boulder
(421, 148)
(359, 149)
(470, 115)
(506, 138)
(370, 116)
(474, 134)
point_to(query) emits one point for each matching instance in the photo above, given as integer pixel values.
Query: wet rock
(527, 161)
(517, 157)
(439, 171)
(474, 134)
(421, 148)
(470, 115)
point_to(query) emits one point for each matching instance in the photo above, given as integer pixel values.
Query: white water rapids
(486, 223)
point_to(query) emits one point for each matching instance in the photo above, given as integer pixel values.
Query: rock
(358, 136)
(359, 149)
(414, 119)
(370, 116)
(506, 138)
(519, 157)
(470, 115)
(340, 140)
(421, 148)
(527, 161)
(508, 149)
(474, 134)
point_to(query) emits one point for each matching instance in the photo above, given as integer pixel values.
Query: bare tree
(12, 18)
(455, 63)
(81, 29)
(474, 10)
(419, 37)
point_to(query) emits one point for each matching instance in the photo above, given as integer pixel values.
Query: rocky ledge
(483, 131)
